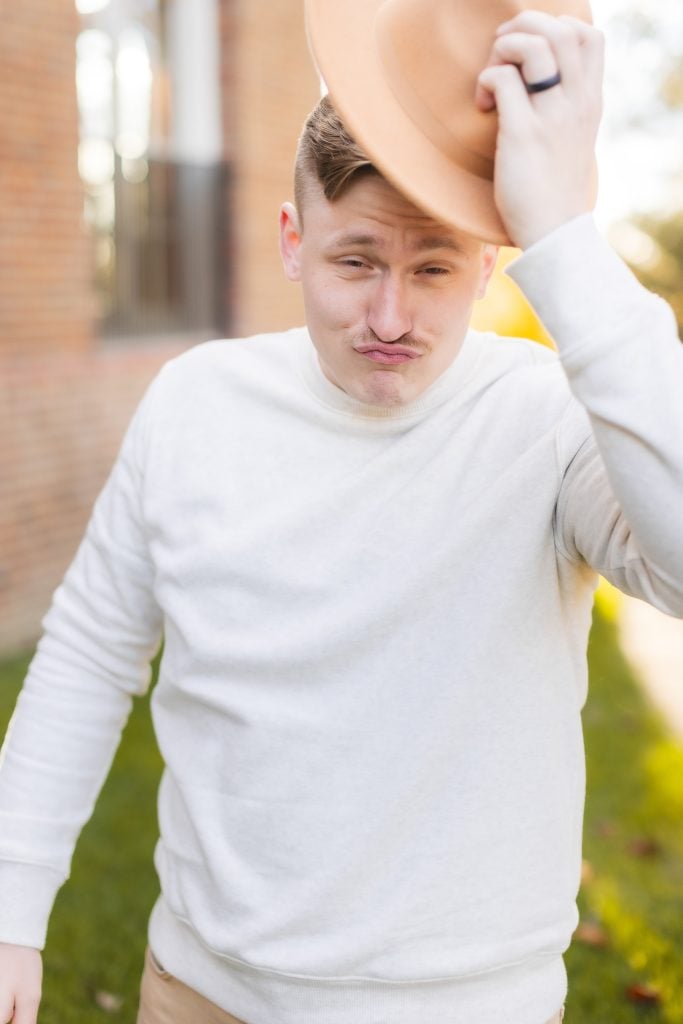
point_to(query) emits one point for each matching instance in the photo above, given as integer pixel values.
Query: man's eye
(435, 270)
(353, 263)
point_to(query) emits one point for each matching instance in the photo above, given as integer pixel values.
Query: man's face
(388, 291)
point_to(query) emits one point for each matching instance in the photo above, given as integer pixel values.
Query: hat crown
(432, 54)
(402, 75)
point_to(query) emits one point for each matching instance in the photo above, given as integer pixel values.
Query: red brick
(65, 394)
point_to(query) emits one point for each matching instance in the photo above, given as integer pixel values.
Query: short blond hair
(327, 153)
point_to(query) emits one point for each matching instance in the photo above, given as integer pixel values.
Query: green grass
(635, 792)
(633, 839)
(97, 933)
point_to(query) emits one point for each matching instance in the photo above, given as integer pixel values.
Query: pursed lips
(391, 354)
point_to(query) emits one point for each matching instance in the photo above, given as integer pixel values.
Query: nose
(388, 316)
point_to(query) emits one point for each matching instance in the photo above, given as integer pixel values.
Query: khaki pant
(165, 1000)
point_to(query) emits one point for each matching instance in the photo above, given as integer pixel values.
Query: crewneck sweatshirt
(375, 624)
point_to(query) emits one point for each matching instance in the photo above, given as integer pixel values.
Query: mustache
(369, 337)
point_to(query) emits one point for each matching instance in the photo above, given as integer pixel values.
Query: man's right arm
(99, 635)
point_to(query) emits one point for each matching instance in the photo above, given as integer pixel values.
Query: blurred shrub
(653, 248)
(505, 310)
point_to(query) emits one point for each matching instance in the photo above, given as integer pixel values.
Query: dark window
(158, 224)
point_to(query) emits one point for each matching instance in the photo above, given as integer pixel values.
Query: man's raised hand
(545, 163)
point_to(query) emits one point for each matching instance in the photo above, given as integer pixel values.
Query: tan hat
(402, 75)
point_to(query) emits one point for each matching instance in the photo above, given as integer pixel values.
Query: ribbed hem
(526, 993)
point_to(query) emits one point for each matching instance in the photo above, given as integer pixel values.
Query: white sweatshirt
(375, 631)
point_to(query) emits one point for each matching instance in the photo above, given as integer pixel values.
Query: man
(372, 546)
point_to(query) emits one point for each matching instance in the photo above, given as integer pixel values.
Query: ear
(489, 256)
(290, 241)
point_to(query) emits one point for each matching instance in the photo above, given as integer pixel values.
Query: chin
(383, 388)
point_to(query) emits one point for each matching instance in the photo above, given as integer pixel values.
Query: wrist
(531, 232)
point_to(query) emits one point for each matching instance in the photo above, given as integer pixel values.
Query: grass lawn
(627, 970)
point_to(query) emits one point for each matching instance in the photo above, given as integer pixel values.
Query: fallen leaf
(591, 934)
(644, 847)
(587, 872)
(108, 1002)
(642, 993)
(606, 828)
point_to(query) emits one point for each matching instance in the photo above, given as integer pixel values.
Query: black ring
(547, 83)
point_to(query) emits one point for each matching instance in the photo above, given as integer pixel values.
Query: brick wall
(44, 251)
(275, 86)
(62, 416)
(65, 394)
(228, 28)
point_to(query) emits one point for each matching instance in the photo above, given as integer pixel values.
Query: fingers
(6, 1006)
(26, 1010)
(577, 47)
(21, 972)
(531, 54)
(540, 45)
(592, 42)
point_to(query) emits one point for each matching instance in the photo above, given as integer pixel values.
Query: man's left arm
(620, 504)
(621, 445)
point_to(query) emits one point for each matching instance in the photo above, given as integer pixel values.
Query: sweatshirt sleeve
(620, 442)
(100, 633)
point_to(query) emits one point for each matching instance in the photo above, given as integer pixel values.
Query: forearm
(57, 753)
(624, 363)
(102, 629)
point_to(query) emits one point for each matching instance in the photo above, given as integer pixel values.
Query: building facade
(146, 148)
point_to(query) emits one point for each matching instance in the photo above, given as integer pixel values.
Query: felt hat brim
(343, 39)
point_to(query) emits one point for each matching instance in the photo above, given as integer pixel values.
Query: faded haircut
(327, 154)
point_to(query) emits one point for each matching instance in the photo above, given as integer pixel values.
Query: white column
(193, 42)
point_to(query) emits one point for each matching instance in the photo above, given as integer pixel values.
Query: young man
(372, 546)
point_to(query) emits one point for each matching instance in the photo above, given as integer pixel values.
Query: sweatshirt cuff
(27, 895)
(580, 288)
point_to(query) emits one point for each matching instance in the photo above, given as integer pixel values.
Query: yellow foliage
(505, 310)
(644, 949)
(663, 765)
(608, 599)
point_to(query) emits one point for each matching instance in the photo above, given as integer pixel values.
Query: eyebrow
(428, 243)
